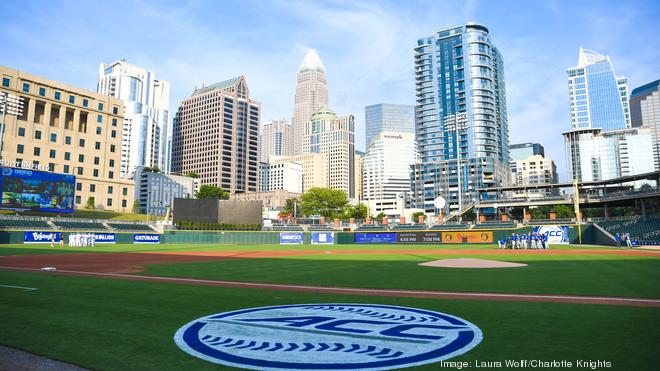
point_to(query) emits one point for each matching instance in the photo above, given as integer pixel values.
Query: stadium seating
(447, 227)
(495, 224)
(371, 227)
(136, 227)
(288, 227)
(79, 225)
(639, 228)
(409, 227)
(319, 227)
(24, 224)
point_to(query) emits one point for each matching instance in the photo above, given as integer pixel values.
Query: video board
(26, 189)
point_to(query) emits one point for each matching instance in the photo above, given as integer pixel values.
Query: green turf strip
(570, 275)
(126, 325)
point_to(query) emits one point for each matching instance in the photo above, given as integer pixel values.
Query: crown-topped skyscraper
(311, 95)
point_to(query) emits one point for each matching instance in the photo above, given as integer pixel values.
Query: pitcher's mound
(471, 263)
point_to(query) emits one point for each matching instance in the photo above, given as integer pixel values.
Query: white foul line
(20, 287)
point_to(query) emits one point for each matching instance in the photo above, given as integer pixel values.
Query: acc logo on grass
(327, 336)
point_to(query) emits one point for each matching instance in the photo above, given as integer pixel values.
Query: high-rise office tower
(388, 117)
(358, 175)
(276, 139)
(461, 116)
(598, 98)
(386, 172)
(311, 95)
(146, 114)
(334, 136)
(522, 151)
(216, 135)
(645, 112)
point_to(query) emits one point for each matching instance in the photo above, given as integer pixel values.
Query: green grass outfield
(128, 325)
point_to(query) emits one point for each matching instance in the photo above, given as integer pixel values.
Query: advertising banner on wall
(419, 237)
(105, 237)
(291, 238)
(385, 237)
(42, 237)
(323, 238)
(467, 237)
(146, 238)
(555, 233)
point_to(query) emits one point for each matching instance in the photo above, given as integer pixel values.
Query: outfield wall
(589, 236)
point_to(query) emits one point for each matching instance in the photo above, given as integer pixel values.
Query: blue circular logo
(327, 337)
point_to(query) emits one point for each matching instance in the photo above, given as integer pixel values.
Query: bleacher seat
(319, 227)
(131, 227)
(24, 224)
(371, 227)
(288, 228)
(448, 227)
(79, 225)
(494, 224)
(640, 228)
(409, 227)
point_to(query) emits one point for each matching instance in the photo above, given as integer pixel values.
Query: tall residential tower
(311, 95)
(216, 135)
(146, 114)
(645, 112)
(388, 117)
(461, 117)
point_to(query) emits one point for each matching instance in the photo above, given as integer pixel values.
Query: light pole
(12, 105)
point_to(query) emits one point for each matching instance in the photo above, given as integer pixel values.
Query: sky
(366, 47)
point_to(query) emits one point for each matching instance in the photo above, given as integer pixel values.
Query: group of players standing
(82, 239)
(531, 240)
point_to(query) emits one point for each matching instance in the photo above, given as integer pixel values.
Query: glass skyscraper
(598, 98)
(388, 117)
(461, 115)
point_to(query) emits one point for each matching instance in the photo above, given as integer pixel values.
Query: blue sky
(366, 46)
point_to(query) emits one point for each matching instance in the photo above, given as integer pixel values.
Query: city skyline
(372, 65)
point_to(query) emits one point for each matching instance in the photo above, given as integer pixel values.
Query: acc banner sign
(386, 237)
(105, 237)
(146, 238)
(42, 237)
(327, 337)
(555, 233)
(323, 238)
(291, 238)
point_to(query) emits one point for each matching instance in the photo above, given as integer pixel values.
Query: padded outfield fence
(590, 235)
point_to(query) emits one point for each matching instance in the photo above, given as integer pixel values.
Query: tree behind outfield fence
(211, 192)
(326, 202)
(91, 203)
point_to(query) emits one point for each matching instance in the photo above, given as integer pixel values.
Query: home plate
(471, 263)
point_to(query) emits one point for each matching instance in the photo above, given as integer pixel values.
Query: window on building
(37, 151)
(52, 153)
(99, 118)
(112, 163)
(5, 82)
(97, 145)
(97, 160)
(96, 173)
(115, 110)
(124, 191)
(72, 99)
(78, 186)
(100, 106)
(19, 148)
(111, 174)
(42, 91)
(81, 142)
(110, 190)
(37, 134)
(26, 87)
(67, 156)
(113, 134)
(81, 158)
(53, 137)
(85, 102)
(51, 167)
(109, 202)
(92, 187)
(114, 122)
(66, 168)
(98, 130)
(80, 170)
(57, 95)
(78, 199)
(21, 132)
(112, 148)
(67, 140)
(123, 203)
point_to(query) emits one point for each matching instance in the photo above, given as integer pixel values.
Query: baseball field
(118, 307)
